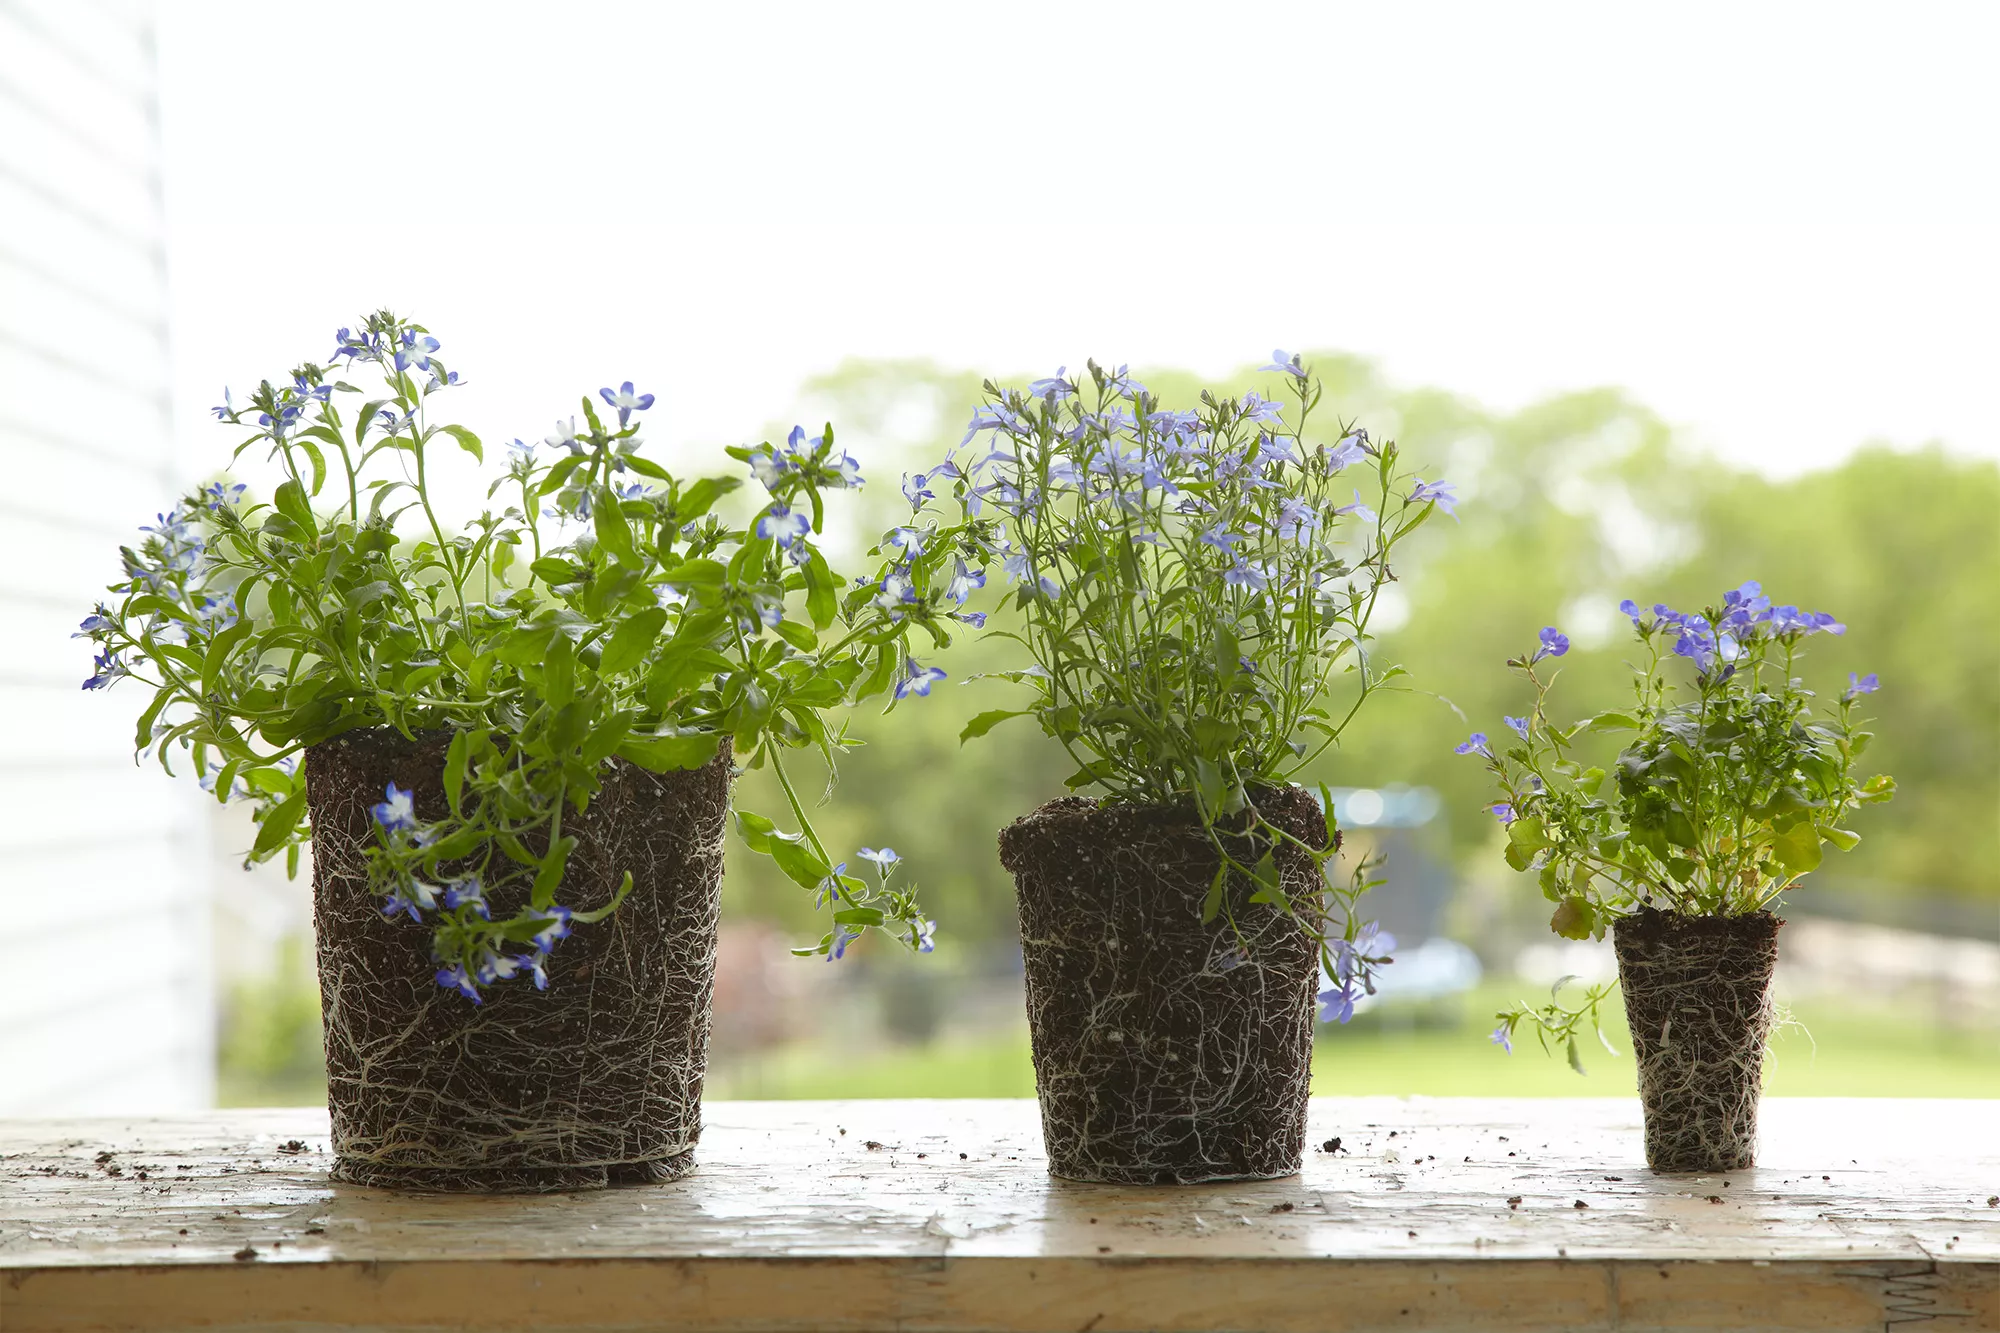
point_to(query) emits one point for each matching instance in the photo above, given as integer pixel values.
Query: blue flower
(467, 892)
(964, 581)
(1502, 811)
(97, 622)
(1016, 568)
(883, 859)
(976, 619)
(495, 967)
(105, 669)
(565, 437)
(783, 525)
(397, 814)
(1231, 958)
(846, 469)
(1503, 1037)
(919, 680)
(454, 978)
(1439, 493)
(395, 904)
(626, 401)
(768, 467)
(523, 452)
(415, 350)
(1264, 411)
(897, 592)
(1244, 575)
(1284, 364)
(1296, 519)
(1358, 508)
(1631, 608)
(220, 495)
(1554, 644)
(1476, 744)
(830, 888)
(837, 947)
(1336, 1004)
(1222, 539)
(1859, 685)
(770, 611)
(925, 934)
(1054, 388)
(555, 925)
(227, 410)
(1519, 726)
(909, 540)
(917, 489)
(537, 965)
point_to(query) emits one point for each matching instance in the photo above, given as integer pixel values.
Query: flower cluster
(1727, 793)
(1193, 586)
(645, 630)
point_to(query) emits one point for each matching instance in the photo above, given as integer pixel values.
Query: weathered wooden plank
(1435, 1214)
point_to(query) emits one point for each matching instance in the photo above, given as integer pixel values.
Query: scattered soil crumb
(1715, 1198)
(1579, 1204)
(872, 1143)
(315, 1231)
(292, 1146)
(1614, 1177)
(246, 1253)
(922, 1155)
(1514, 1202)
(104, 1157)
(961, 1157)
(1993, 1201)
(1104, 1249)
(1282, 1207)
(1331, 1145)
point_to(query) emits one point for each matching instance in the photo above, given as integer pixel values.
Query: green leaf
(755, 830)
(1097, 770)
(614, 534)
(822, 591)
(663, 754)
(456, 756)
(277, 824)
(1612, 722)
(988, 720)
(859, 916)
(1575, 1058)
(466, 441)
(799, 862)
(699, 498)
(292, 503)
(1211, 903)
(1574, 919)
(799, 636)
(631, 641)
(1529, 835)
(1845, 839)
(1798, 849)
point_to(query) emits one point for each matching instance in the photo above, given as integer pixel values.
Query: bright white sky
(1776, 224)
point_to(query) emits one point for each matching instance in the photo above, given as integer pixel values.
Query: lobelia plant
(1193, 589)
(607, 612)
(1727, 794)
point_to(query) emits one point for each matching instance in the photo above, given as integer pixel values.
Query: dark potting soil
(595, 1080)
(1698, 1001)
(1155, 1063)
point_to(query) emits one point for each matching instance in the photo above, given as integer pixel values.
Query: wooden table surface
(1436, 1214)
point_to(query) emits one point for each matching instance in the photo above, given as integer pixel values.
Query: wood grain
(1865, 1215)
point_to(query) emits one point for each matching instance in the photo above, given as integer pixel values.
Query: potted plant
(517, 741)
(1728, 791)
(1192, 589)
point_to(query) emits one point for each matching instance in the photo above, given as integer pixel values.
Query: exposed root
(586, 1083)
(1698, 999)
(1159, 1058)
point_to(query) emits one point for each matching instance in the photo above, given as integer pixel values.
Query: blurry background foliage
(1566, 507)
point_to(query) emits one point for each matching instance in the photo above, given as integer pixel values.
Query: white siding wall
(106, 1002)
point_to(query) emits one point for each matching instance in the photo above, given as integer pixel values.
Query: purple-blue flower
(97, 622)
(1284, 364)
(1366, 514)
(1296, 519)
(538, 968)
(1518, 725)
(397, 814)
(1055, 386)
(1502, 811)
(454, 978)
(626, 401)
(1476, 744)
(395, 904)
(842, 937)
(883, 858)
(909, 540)
(783, 525)
(964, 581)
(976, 619)
(1859, 685)
(1503, 1037)
(1336, 1003)
(555, 925)
(415, 350)
(1631, 608)
(1439, 493)
(106, 668)
(1554, 643)
(1244, 575)
(919, 680)
(917, 489)
(467, 892)
(926, 934)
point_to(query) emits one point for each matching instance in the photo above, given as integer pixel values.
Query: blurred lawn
(1882, 1052)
